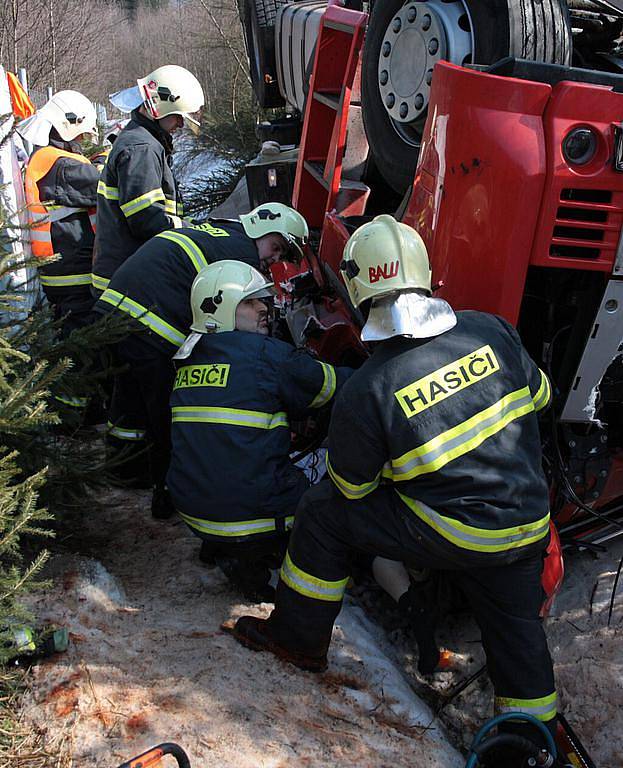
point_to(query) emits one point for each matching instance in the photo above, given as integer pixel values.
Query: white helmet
(219, 288)
(69, 112)
(172, 90)
(280, 219)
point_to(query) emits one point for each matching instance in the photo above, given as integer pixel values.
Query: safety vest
(42, 214)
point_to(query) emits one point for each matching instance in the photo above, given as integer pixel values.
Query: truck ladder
(333, 113)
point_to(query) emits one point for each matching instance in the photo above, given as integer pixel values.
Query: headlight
(579, 146)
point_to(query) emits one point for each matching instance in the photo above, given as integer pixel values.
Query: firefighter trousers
(505, 599)
(140, 401)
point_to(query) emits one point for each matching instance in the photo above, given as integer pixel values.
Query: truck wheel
(258, 23)
(405, 40)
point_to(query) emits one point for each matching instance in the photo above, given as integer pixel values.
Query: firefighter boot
(260, 635)
(161, 505)
(251, 576)
(420, 605)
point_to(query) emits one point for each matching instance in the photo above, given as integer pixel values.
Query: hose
(472, 760)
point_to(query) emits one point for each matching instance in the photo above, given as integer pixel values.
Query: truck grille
(583, 227)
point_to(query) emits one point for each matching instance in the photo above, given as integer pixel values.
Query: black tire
(527, 29)
(258, 23)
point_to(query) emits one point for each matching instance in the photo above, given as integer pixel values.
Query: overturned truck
(494, 129)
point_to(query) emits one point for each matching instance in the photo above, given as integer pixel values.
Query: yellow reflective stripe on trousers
(139, 204)
(543, 709)
(144, 316)
(190, 248)
(100, 283)
(542, 397)
(235, 416)
(351, 490)
(328, 386)
(465, 437)
(170, 206)
(478, 539)
(239, 528)
(72, 402)
(124, 433)
(311, 586)
(110, 193)
(64, 281)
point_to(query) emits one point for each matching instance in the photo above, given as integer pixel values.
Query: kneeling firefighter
(153, 287)
(236, 388)
(434, 460)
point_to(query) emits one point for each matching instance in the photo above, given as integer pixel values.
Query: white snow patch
(363, 642)
(99, 587)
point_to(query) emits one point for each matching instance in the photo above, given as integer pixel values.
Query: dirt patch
(148, 663)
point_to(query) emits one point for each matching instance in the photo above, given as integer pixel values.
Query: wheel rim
(418, 36)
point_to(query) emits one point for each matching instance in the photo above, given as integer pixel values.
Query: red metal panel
(561, 237)
(479, 184)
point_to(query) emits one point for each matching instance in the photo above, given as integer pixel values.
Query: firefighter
(61, 192)
(153, 286)
(236, 388)
(434, 460)
(137, 194)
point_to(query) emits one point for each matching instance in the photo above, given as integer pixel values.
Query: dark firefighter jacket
(451, 423)
(154, 284)
(136, 195)
(230, 473)
(70, 183)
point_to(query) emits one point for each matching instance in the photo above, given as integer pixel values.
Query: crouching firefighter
(434, 459)
(236, 388)
(153, 287)
(61, 192)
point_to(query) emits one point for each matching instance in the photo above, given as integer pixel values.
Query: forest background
(101, 46)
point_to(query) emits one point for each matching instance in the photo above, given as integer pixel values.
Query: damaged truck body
(495, 130)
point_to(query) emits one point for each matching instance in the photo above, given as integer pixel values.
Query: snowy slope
(148, 662)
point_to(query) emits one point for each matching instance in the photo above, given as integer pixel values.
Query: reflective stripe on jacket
(137, 195)
(153, 285)
(451, 422)
(42, 213)
(233, 398)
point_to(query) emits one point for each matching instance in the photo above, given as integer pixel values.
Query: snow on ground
(588, 656)
(148, 662)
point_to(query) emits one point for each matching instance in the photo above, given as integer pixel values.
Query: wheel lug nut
(397, 25)
(433, 46)
(412, 15)
(404, 109)
(429, 77)
(387, 49)
(426, 22)
(384, 77)
(419, 101)
(390, 100)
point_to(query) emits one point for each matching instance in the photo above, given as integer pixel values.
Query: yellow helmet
(383, 257)
(172, 90)
(277, 218)
(219, 288)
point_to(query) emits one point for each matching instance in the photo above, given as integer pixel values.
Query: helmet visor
(192, 121)
(295, 245)
(265, 292)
